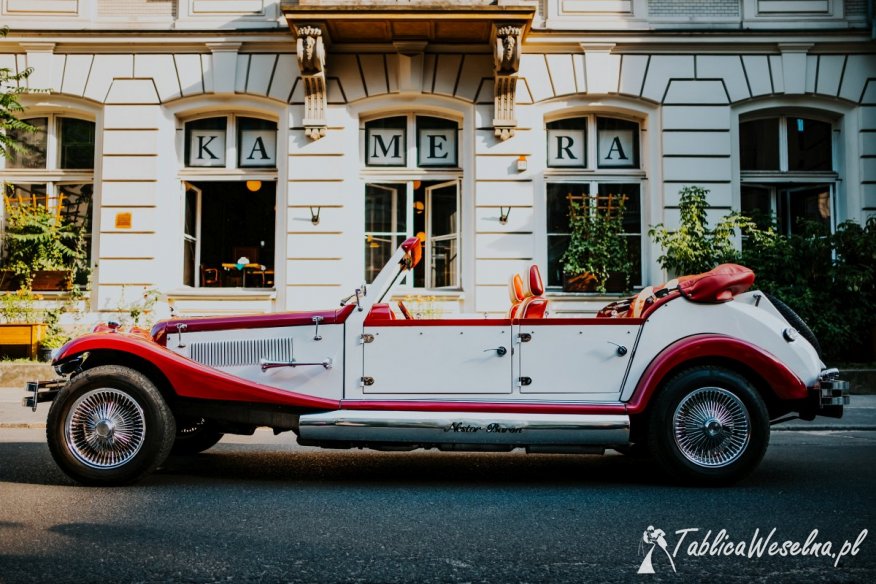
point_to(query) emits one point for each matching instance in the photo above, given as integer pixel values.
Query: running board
(438, 428)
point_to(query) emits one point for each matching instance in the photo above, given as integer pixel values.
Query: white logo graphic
(703, 543)
(653, 537)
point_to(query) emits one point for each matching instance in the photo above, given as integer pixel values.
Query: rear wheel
(109, 426)
(709, 426)
(194, 435)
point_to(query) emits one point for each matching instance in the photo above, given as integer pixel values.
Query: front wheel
(709, 426)
(109, 426)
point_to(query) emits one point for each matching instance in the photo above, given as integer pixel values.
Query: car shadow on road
(31, 463)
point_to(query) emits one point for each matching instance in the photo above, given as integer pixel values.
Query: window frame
(775, 180)
(592, 175)
(410, 143)
(52, 176)
(232, 144)
(53, 147)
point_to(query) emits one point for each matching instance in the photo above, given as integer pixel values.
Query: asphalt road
(261, 509)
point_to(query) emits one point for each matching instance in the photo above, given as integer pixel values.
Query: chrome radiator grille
(240, 353)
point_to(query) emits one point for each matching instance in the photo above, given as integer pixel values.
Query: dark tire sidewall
(202, 438)
(661, 431)
(158, 420)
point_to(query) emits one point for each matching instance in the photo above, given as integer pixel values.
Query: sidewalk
(860, 415)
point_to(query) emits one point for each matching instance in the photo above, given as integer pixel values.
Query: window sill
(222, 294)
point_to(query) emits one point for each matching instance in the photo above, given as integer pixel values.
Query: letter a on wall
(616, 149)
(258, 148)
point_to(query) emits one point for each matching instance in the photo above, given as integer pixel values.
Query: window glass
(617, 143)
(232, 241)
(759, 144)
(567, 143)
(256, 143)
(632, 222)
(205, 142)
(809, 144)
(436, 142)
(34, 145)
(385, 225)
(75, 207)
(28, 194)
(558, 197)
(385, 143)
(76, 143)
(808, 203)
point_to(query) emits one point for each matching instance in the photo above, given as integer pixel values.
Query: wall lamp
(314, 215)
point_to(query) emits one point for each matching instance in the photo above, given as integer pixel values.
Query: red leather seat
(515, 294)
(535, 305)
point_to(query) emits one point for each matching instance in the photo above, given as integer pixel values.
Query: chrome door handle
(265, 364)
(500, 351)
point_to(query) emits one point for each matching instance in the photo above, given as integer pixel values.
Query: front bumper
(41, 391)
(827, 397)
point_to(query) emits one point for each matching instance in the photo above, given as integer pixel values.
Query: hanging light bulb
(253, 185)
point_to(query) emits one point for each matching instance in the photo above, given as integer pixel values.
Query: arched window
(416, 193)
(787, 169)
(588, 157)
(230, 202)
(55, 169)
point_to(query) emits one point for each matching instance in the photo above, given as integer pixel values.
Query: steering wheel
(404, 310)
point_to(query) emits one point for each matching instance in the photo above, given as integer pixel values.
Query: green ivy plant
(695, 247)
(596, 244)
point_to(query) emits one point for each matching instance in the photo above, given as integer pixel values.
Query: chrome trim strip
(465, 428)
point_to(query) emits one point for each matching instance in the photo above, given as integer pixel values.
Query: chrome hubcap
(711, 427)
(105, 428)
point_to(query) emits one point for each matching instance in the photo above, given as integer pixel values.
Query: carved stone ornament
(507, 60)
(311, 63)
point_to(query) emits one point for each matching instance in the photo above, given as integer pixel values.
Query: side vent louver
(241, 353)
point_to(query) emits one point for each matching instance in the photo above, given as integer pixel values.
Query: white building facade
(255, 155)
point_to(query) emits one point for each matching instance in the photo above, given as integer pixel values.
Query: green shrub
(695, 247)
(828, 279)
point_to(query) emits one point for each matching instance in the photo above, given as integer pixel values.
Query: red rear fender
(719, 349)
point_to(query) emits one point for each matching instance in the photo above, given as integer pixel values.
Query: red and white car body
(693, 372)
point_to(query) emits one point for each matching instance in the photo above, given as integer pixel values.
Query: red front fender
(701, 348)
(188, 378)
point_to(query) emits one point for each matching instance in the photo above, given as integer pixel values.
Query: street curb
(821, 428)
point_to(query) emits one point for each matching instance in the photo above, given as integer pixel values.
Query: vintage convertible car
(693, 372)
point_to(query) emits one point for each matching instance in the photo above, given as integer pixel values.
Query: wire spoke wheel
(711, 427)
(105, 428)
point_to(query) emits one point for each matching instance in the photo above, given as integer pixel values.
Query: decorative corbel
(311, 63)
(506, 56)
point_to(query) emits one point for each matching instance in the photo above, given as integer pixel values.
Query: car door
(437, 357)
(588, 357)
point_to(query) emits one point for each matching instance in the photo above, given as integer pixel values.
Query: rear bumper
(827, 397)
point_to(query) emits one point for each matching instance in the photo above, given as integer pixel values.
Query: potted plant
(54, 337)
(21, 324)
(597, 258)
(42, 249)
